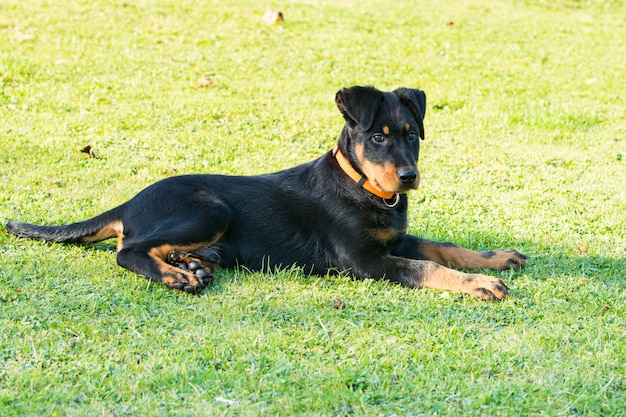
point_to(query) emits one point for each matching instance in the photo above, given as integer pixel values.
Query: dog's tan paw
(195, 275)
(192, 282)
(503, 260)
(486, 287)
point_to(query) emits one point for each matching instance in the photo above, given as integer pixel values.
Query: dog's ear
(359, 105)
(415, 100)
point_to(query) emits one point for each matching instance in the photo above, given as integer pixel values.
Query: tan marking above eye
(386, 129)
(407, 127)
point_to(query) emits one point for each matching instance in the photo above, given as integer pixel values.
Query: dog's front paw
(512, 260)
(486, 287)
(503, 260)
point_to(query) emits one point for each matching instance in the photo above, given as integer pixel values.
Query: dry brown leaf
(272, 17)
(89, 151)
(204, 82)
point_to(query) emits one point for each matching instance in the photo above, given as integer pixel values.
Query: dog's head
(382, 134)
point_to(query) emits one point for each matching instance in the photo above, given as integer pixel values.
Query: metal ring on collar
(394, 203)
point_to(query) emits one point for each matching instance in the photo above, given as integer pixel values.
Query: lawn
(525, 149)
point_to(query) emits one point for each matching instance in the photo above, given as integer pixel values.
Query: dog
(345, 211)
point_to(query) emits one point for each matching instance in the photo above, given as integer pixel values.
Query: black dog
(344, 211)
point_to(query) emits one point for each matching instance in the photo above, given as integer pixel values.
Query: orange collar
(346, 166)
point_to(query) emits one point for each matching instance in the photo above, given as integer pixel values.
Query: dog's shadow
(544, 263)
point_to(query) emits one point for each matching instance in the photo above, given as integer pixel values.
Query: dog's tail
(104, 226)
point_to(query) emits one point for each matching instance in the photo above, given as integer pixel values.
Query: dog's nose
(407, 175)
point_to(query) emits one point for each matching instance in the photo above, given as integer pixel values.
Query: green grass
(525, 144)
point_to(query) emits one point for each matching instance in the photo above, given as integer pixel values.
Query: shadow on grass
(544, 264)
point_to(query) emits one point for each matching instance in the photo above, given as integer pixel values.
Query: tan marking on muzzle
(383, 177)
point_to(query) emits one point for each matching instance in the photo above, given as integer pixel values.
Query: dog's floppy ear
(359, 105)
(415, 100)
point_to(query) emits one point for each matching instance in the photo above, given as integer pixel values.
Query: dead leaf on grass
(21, 36)
(273, 17)
(204, 82)
(89, 151)
(339, 304)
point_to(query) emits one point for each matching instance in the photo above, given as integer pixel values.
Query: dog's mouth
(415, 184)
(391, 182)
(404, 188)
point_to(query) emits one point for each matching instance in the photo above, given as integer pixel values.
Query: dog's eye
(412, 136)
(378, 138)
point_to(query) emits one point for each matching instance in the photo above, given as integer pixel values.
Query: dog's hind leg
(151, 263)
(159, 248)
